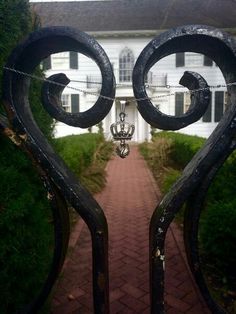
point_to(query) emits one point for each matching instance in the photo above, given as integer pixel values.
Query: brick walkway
(128, 201)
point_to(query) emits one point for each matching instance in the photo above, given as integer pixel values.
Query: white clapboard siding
(165, 71)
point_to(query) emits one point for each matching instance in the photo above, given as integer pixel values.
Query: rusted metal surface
(199, 172)
(61, 184)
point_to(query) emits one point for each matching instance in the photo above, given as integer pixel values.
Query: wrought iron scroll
(61, 184)
(198, 174)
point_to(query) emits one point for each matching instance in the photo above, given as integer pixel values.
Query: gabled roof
(124, 15)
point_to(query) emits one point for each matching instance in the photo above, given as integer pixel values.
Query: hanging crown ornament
(122, 131)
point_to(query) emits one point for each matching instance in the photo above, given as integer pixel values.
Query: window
(192, 59)
(219, 99)
(182, 103)
(126, 64)
(220, 104)
(65, 102)
(61, 60)
(70, 103)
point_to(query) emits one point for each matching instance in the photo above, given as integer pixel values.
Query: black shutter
(74, 103)
(47, 63)
(219, 105)
(179, 60)
(73, 60)
(179, 104)
(207, 62)
(207, 115)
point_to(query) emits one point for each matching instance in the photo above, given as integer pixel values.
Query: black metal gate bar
(39, 45)
(62, 185)
(61, 228)
(192, 214)
(222, 49)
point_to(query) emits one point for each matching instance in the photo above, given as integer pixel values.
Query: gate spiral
(63, 187)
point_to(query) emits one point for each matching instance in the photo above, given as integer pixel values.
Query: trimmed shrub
(171, 176)
(217, 233)
(78, 150)
(184, 147)
(86, 155)
(218, 236)
(26, 234)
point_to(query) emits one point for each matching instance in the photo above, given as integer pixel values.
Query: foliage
(78, 150)
(171, 176)
(86, 155)
(15, 23)
(100, 128)
(217, 234)
(157, 154)
(25, 233)
(184, 147)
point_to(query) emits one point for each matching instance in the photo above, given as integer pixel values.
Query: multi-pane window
(215, 110)
(61, 60)
(70, 102)
(216, 107)
(65, 102)
(126, 64)
(192, 59)
(182, 103)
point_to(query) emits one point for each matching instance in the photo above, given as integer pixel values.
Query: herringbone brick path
(128, 200)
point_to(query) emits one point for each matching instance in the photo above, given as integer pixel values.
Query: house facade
(123, 44)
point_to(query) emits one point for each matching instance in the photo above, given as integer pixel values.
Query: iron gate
(61, 184)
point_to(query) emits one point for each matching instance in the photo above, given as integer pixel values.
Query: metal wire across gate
(62, 185)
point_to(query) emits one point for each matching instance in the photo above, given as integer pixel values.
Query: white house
(123, 28)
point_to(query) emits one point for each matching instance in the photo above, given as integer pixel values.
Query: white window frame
(66, 102)
(126, 64)
(60, 60)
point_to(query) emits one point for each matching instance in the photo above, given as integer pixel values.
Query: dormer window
(126, 64)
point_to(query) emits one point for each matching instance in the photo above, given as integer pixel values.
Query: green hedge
(78, 150)
(217, 228)
(26, 234)
(86, 155)
(218, 237)
(184, 147)
(26, 230)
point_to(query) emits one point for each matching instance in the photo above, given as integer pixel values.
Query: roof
(124, 15)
